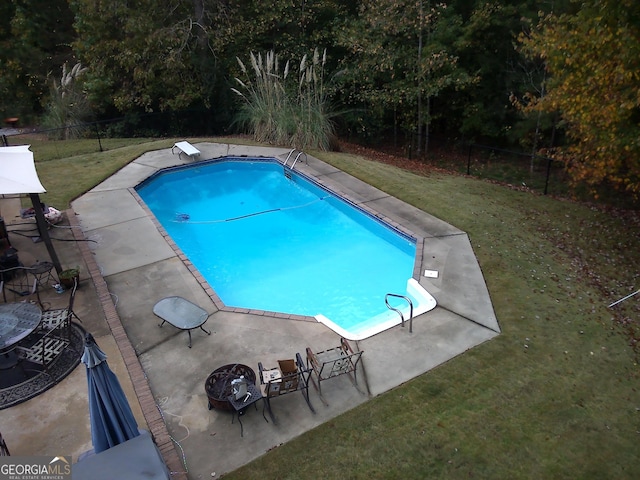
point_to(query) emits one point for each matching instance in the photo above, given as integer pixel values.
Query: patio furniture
(43, 347)
(61, 317)
(42, 344)
(334, 362)
(182, 314)
(15, 283)
(21, 281)
(17, 321)
(218, 384)
(290, 376)
(241, 404)
(42, 276)
(9, 256)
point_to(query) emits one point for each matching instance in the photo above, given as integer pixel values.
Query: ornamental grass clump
(68, 107)
(277, 110)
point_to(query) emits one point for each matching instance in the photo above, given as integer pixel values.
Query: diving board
(186, 148)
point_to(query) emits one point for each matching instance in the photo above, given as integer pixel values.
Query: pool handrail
(386, 301)
(300, 152)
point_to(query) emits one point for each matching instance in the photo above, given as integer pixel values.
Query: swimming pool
(283, 243)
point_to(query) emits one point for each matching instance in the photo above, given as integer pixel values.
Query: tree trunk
(419, 69)
(198, 14)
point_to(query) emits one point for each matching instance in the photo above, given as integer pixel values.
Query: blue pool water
(267, 242)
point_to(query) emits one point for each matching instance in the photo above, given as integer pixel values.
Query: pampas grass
(279, 110)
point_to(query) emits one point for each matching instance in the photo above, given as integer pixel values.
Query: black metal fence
(103, 135)
(54, 144)
(533, 171)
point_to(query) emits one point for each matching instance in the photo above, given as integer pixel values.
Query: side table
(240, 406)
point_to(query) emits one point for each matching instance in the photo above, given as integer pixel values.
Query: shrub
(279, 112)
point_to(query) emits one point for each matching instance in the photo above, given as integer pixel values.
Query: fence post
(469, 159)
(98, 135)
(546, 182)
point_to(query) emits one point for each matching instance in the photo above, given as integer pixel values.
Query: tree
(290, 27)
(593, 65)
(485, 48)
(148, 58)
(35, 40)
(399, 58)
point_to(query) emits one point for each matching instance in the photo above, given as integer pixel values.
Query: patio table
(182, 314)
(17, 320)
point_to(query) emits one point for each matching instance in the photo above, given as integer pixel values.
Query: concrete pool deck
(137, 265)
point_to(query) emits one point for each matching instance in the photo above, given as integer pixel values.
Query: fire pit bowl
(218, 384)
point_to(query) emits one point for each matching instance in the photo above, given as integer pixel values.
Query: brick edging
(151, 413)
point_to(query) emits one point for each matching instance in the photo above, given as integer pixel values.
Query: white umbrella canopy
(18, 171)
(18, 176)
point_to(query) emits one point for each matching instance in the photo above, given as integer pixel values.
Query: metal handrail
(284, 164)
(386, 301)
(297, 157)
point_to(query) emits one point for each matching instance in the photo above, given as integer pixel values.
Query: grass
(554, 396)
(68, 178)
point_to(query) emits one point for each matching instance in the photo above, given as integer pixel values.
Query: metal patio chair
(334, 362)
(19, 282)
(290, 376)
(61, 317)
(43, 347)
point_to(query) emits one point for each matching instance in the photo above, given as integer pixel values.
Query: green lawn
(554, 396)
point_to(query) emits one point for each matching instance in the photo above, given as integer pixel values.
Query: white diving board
(186, 148)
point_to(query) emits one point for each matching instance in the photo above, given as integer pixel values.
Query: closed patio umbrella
(112, 421)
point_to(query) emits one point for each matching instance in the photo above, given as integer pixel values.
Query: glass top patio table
(182, 314)
(17, 320)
